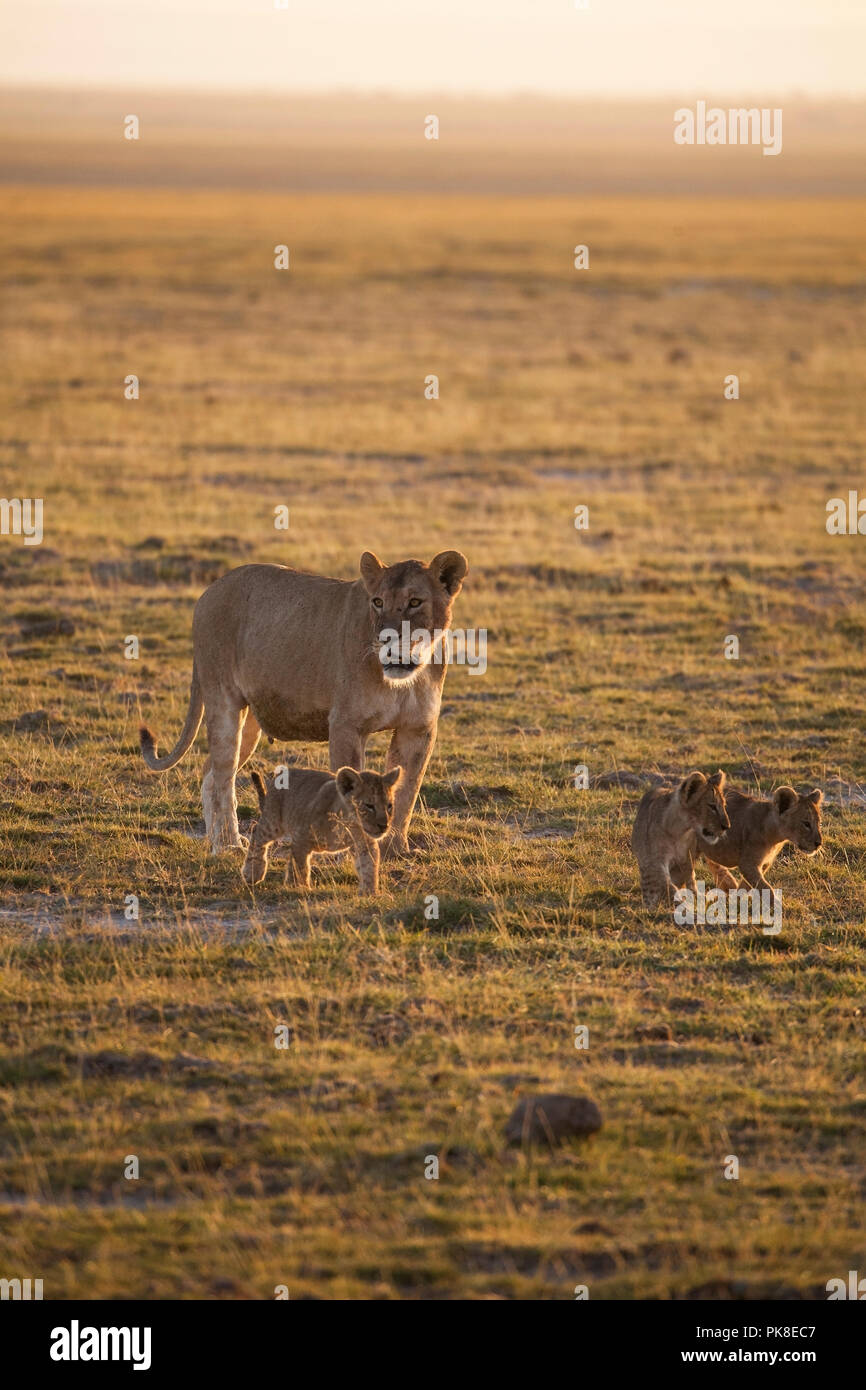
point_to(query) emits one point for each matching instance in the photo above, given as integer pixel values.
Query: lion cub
(666, 829)
(323, 813)
(758, 831)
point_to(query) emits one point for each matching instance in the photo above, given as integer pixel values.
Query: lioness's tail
(187, 736)
(258, 782)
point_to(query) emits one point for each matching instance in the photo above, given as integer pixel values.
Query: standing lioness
(298, 656)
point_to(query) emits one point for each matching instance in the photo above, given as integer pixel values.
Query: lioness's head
(371, 796)
(409, 603)
(703, 798)
(800, 817)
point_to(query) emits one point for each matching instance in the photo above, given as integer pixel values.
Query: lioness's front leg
(346, 748)
(409, 749)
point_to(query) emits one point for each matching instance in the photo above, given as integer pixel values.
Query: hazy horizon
(484, 47)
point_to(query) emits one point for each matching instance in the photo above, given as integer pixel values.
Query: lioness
(319, 813)
(665, 832)
(758, 831)
(298, 656)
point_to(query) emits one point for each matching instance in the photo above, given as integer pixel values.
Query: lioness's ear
(691, 785)
(348, 780)
(718, 780)
(450, 568)
(816, 797)
(784, 798)
(393, 777)
(371, 567)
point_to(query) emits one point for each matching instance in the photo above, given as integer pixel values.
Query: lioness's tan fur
(297, 655)
(319, 813)
(665, 831)
(758, 831)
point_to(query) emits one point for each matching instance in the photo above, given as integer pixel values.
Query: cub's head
(371, 797)
(800, 817)
(703, 800)
(409, 601)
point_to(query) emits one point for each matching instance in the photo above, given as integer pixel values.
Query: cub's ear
(784, 798)
(816, 797)
(718, 779)
(393, 777)
(348, 780)
(691, 786)
(450, 568)
(371, 568)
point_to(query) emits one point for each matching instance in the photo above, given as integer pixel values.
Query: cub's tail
(258, 782)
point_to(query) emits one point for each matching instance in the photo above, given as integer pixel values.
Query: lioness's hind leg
(224, 723)
(250, 735)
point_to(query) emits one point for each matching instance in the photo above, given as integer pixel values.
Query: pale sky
(619, 47)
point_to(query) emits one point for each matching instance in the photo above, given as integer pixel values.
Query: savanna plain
(411, 1036)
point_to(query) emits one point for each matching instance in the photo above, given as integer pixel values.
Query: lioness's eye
(368, 806)
(414, 603)
(377, 603)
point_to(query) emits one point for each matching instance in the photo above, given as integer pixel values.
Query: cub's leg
(256, 863)
(752, 873)
(409, 749)
(683, 874)
(722, 877)
(299, 866)
(367, 864)
(655, 886)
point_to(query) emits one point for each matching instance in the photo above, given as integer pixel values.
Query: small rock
(551, 1118)
(32, 720)
(653, 1032)
(618, 779)
(679, 354)
(46, 627)
(185, 1062)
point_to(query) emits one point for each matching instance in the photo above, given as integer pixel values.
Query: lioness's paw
(229, 846)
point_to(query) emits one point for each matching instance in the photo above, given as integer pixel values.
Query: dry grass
(305, 1167)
